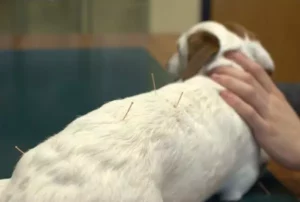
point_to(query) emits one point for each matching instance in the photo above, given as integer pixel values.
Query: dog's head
(202, 48)
(199, 48)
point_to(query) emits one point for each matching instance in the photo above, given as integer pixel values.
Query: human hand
(254, 96)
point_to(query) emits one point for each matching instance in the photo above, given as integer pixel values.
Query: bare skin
(260, 103)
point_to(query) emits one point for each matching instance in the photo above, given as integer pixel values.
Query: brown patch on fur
(269, 72)
(202, 46)
(240, 30)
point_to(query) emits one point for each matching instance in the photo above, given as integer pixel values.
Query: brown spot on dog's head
(269, 72)
(243, 33)
(202, 46)
(240, 30)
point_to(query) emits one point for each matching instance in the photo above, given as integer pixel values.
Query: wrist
(285, 153)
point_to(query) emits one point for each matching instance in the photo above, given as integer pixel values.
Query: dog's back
(167, 148)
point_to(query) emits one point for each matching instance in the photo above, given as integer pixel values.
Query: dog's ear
(240, 30)
(260, 54)
(202, 46)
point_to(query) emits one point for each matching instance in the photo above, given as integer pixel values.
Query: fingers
(242, 76)
(250, 92)
(244, 110)
(254, 69)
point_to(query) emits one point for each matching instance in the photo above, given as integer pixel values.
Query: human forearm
(285, 151)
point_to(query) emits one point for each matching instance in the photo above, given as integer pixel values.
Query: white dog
(180, 143)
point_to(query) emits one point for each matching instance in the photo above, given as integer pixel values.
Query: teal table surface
(41, 91)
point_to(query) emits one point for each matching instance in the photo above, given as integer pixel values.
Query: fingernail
(215, 76)
(229, 53)
(227, 95)
(224, 93)
(215, 70)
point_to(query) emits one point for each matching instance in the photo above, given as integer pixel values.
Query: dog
(178, 143)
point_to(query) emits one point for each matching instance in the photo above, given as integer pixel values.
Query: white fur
(158, 153)
(234, 188)
(3, 184)
(228, 40)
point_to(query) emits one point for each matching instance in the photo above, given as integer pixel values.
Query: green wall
(73, 16)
